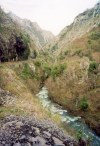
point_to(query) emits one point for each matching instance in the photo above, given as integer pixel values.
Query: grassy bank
(22, 79)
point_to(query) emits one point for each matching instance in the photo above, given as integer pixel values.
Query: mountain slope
(73, 77)
(41, 37)
(14, 43)
(83, 23)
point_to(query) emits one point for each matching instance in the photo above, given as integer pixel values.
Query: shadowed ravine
(66, 118)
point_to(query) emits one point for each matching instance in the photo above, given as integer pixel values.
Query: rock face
(23, 131)
(41, 37)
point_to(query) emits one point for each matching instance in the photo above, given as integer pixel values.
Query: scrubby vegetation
(84, 104)
(22, 46)
(54, 71)
(79, 135)
(37, 63)
(95, 36)
(14, 43)
(78, 86)
(26, 72)
(93, 67)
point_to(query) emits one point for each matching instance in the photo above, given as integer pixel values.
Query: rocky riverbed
(28, 131)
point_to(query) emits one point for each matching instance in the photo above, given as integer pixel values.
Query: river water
(75, 123)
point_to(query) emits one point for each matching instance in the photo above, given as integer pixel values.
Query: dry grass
(26, 103)
(69, 89)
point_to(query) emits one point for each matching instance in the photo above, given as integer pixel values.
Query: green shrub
(79, 134)
(47, 70)
(55, 47)
(62, 57)
(26, 72)
(93, 66)
(78, 52)
(84, 104)
(63, 35)
(37, 63)
(89, 42)
(95, 35)
(66, 52)
(22, 46)
(57, 70)
(1, 29)
(62, 67)
(54, 71)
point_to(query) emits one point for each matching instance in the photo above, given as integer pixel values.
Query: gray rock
(17, 144)
(36, 131)
(38, 141)
(57, 141)
(46, 134)
(28, 131)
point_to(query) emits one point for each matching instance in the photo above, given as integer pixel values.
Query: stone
(57, 141)
(46, 134)
(69, 142)
(23, 139)
(19, 124)
(37, 131)
(38, 141)
(17, 144)
(28, 131)
(50, 141)
(25, 144)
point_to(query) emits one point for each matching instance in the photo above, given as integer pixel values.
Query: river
(75, 123)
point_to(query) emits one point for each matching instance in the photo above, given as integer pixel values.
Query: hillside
(39, 36)
(14, 43)
(74, 76)
(20, 81)
(82, 24)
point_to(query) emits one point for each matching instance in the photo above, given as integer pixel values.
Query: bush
(84, 104)
(78, 52)
(1, 29)
(37, 63)
(33, 54)
(55, 47)
(26, 72)
(57, 70)
(62, 57)
(47, 70)
(66, 52)
(63, 35)
(54, 71)
(93, 66)
(95, 35)
(79, 134)
(22, 46)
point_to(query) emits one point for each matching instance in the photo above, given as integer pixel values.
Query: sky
(52, 15)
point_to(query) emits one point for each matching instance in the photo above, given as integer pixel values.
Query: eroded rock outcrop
(27, 131)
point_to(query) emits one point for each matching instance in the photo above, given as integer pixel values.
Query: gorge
(52, 78)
